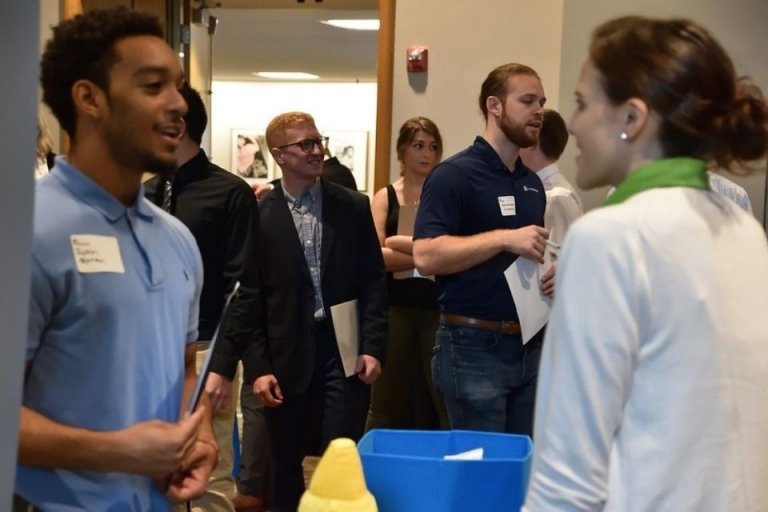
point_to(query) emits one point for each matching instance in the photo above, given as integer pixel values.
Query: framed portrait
(351, 148)
(250, 158)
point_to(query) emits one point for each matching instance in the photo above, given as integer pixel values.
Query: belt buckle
(507, 325)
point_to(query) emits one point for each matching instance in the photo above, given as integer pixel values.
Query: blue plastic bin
(406, 472)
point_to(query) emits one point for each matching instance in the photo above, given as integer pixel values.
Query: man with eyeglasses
(320, 251)
(333, 171)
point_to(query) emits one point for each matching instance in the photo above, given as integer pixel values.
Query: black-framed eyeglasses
(307, 145)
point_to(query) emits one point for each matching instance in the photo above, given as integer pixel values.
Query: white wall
(739, 24)
(18, 104)
(200, 71)
(335, 107)
(466, 40)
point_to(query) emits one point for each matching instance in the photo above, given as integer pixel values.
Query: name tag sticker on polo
(507, 205)
(96, 253)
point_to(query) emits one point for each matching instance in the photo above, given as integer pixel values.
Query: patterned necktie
(167, 194)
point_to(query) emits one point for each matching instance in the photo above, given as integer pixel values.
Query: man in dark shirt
(336, 172)
(218, 209)
(479, 211)
(222, 214)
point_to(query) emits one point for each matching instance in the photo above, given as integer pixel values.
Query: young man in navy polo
(479, 211)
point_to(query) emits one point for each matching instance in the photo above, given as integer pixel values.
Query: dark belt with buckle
(502, 326)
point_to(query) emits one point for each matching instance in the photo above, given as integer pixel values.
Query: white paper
(405, 221)
(533, 307)
(476, 454)
(404, 274)
(345, 326)
(96, 253)
(410, 274)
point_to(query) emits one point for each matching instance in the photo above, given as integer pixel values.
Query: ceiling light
(372, 24)
(286, 75)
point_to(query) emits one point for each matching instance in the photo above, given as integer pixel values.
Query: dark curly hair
(683, 73)
(83, 48)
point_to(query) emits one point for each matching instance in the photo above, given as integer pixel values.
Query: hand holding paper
(529, 242)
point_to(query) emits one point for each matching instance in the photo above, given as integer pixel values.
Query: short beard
(516, 133)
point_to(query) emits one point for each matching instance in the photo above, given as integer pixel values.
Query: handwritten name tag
(95, 253)
(507, 205)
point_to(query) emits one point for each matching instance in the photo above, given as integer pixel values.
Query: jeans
(487, 379)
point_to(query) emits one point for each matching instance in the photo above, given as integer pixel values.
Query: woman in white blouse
(654, 374)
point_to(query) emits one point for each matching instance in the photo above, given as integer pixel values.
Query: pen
(553, 244)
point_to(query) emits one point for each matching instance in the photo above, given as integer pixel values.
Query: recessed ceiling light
(287, 75)
(372, 24)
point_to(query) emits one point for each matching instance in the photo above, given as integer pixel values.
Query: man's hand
(267, 390)
(548, 281)
(368, 368)
(529, 242)
(158, 448)
(218, 388)
(190, 480)
(261, 189)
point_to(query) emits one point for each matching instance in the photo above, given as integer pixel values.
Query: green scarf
(669, 172)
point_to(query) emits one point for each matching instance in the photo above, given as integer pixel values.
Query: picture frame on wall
(351, 148)
(251, 159)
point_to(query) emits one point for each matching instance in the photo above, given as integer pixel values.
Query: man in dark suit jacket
(320, 250)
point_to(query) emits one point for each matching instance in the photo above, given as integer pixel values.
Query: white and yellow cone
(338, 484)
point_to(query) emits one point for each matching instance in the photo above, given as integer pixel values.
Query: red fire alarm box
(417, 57)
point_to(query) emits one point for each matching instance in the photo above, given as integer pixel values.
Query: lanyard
(669, 172)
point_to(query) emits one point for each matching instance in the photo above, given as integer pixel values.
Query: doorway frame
(384, 86)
